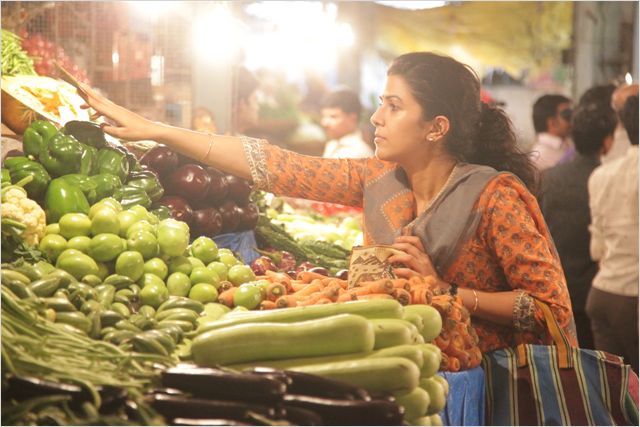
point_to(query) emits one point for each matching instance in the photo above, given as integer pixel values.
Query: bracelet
(475, 304)
(208, 150)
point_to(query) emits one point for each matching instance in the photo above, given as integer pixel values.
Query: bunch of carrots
(312, 289)
(458, 340)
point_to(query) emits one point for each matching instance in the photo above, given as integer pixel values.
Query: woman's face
(401, 130)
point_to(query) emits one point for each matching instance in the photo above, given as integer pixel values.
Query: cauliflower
(16, 206)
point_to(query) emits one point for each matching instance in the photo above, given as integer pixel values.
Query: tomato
(52, 229)
(203, 292)
(74, 224)
(113, 203)
(239, 274)
(219, 268)
(228, 259)
(52, 245)
(125, 220)
(180, 264)
(81, 243)
(138, 226)
(178, 284)
(100, 206)
(173, 237)
(248, 296)
(156, 266)
(77, 264)
(205, 249)
(204, 275)
(153, 294)
(106, 247)
(143, 242)
(130, 264)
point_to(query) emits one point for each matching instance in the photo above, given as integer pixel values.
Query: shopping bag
(558, 384)
(369, 263)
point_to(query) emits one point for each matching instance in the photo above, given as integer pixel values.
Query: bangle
(475, 304)
(208, 150)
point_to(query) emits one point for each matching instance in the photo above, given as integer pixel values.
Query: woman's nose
(375, 118)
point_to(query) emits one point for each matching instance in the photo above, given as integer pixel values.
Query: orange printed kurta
(511, 249)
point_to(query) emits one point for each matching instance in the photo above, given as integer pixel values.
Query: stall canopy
(515, 36)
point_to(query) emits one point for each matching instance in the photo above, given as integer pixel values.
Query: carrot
(401, 284)
(429, 281)
(267, 305)
(415, 281)
(402, 296)
(226, 297)
(420, 295)
(276, 290)
(455, 314)
(308, 290)
(382, 286)
(454, 365)
(287, 301)
(263, 277)
(298, 285)
(347, 296)
(374, 296)
(444, 362)
(442, 340)
(333, 280)
(332, 291)
(317, 298)
(307, 276)
(275, 276)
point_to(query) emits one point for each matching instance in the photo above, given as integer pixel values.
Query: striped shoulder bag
(558, 384)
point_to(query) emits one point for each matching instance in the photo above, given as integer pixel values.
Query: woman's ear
(439, 128)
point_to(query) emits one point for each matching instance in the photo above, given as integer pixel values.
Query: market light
(115, 58)
(153, 9)
(628, 78)
(413, 5)
(218, 36)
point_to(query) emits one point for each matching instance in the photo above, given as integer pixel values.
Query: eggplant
(218, 384)
(172, 407)
(314, 385)
(239, 189)
(349, 412)
(287, 262)
(275, 374)
(218, 187)
(302, 417)
(319, 270)
(305, 266)
(190, 181)
(180, 208)
(248, 217)
(27, 387)
(207, 222)
(230, 216)
(343, 274)
(161, 160)
(261, 265)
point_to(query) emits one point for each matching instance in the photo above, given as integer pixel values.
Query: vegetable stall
(119, 307)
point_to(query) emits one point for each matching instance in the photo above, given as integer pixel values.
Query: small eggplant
(218, 384)
(218, 187)
(190, 181)
(206, 422)
(350, 412)
(160, 159)
(180, 209)
(239, 189)
(248, 217)
(230, 216)
(207, 222)
(181, 407)
(302, 417)
(25, 387)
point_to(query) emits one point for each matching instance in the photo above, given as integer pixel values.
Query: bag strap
(563, 348)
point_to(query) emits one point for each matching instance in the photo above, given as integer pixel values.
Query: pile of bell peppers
(75, 166)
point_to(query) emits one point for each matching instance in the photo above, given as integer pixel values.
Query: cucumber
(45, 287)
(390, 374)
(250, 342)
(110, 317)
(121, 308)
(427, 420)
(125, 325)
(431, 320)
(174, 331)
(415, 403)
(181, 302)
(7, 276)
(147, 311)
(215, 310)
(21, 290)
(432, 357)
(65, 278)
(146, 344)
(123, 296)
(59, 304)
(118, 281)
(177, 314)
(372, 309)
(75, 319)
(443, 382)
(415, 319)
(408, 351)
(92, 280)
(393, 332)
(118, 337)
(436, 394)
(182, 324)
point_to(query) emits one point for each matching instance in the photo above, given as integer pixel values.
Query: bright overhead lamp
(413, 5)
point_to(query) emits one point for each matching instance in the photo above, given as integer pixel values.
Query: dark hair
(544, 108)
(478, 132)
(600, 94)
(592, 123)
(344, 99)
(244, 83)
(629, 118)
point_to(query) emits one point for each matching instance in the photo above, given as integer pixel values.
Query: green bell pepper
(89, 160)
(62, 155)
(36, 137)
(148, 181)
(162, 212)
(20, 167)
(63, 197)
(114, 161)
(129, 196)
(96, 187)
(86, 132)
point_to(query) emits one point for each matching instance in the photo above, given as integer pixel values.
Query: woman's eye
(393, 107)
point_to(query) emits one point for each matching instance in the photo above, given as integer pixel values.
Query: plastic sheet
(465, 403)
(242, 243)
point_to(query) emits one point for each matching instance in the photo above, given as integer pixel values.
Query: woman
(433, 192)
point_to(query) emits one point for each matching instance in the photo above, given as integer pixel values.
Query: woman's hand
(415, 258)
(124, 124)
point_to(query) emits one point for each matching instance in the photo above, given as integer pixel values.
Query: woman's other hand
(122, 123)
(414, 258)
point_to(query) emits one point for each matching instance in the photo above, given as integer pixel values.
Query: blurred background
(174, 61)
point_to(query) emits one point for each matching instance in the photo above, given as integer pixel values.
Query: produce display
(374, 345)
(45, 52)
(209, 201)
(15, 61)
